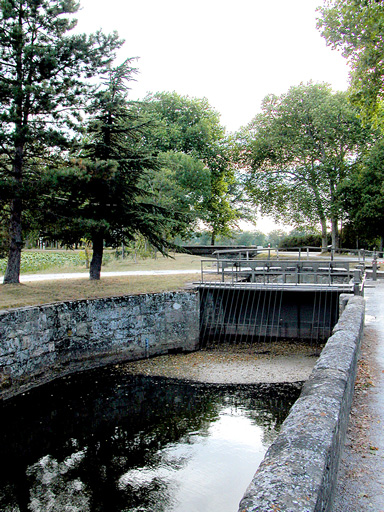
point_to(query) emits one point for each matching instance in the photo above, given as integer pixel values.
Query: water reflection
(108, 441)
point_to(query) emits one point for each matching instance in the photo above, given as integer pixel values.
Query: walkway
(27, 278)
(360, 486)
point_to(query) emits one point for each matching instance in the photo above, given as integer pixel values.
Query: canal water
(108, 441)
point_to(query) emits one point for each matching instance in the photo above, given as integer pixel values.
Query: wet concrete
(360, 486)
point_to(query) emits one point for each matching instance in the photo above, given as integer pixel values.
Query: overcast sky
(233, 53)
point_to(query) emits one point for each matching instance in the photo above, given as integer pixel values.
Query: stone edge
(299, 470)
(41, 343)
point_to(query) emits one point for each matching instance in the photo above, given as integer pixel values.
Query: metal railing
(306, 252)
(248, 272)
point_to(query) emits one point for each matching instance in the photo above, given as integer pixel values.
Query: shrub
(309, 240)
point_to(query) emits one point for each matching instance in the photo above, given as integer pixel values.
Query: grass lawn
(43, 292)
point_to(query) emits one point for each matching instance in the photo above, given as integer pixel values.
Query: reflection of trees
(117, 423)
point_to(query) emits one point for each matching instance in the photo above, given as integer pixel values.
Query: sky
(234, 53)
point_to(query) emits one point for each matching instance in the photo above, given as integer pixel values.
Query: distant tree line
(81, 162)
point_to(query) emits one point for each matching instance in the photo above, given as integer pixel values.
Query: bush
(309, 240)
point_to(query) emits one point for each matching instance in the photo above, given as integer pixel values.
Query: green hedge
(310, 240)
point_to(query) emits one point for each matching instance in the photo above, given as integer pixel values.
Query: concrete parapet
(298, 473)
(38, 344)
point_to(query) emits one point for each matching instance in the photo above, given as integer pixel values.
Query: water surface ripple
(108, 441)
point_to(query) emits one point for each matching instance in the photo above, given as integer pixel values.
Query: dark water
(111, 442)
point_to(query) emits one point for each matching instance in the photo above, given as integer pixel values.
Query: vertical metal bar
(278, 316)
(252, 316)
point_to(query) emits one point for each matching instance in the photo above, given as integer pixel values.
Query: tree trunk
(213, 238)
(12, 272)
(324, 239)
(335, 234)
(97, 257)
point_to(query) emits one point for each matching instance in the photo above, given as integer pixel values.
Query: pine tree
(43, 87)
(100, 194)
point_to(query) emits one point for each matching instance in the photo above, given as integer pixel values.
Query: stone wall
(298, 473)
(40, 343)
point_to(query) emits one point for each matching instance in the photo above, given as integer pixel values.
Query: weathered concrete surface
(298, 473)
(38, 344)
(360, 485)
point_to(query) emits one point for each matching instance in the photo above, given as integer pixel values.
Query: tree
(181, 185)
(98, 195)
(275, 236)
(184, 124)
(363, 195)
(356, 27)
(190, 126)
(298, 149)
(43, 87)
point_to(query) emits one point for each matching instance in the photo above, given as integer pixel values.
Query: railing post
(356, 281)
(374, 267)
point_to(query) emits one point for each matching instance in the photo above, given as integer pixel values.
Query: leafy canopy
(363, 194)
(192, 127)
(44, 84)
(298, 149)
(356, 27)
(101, 190)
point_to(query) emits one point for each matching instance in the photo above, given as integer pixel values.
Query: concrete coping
(299, 471)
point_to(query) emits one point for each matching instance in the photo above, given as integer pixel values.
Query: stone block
(299, 470)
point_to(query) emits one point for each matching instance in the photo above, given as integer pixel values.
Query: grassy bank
(43, 292)
(62, 261)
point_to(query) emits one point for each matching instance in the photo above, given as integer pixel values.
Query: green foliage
(235, 238)
(190, 126)
(44, 84)
(140, 248)
(275, 236)
(32, 262)
(303, 240)
(356, 27)
(183, 124)
(356, 239)
(298, 149)
(182, 185)
(103, 194)
(362, 194)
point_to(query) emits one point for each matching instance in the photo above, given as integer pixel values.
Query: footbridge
(245, 299)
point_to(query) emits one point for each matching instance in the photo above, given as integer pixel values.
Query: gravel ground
(234, 364)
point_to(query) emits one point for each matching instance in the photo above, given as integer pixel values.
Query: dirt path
(29, 278)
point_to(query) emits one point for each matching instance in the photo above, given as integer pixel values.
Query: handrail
(318, 272)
